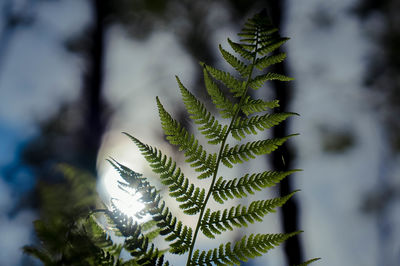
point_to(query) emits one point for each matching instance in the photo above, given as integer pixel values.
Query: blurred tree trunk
(92, 87)
(282, 159)
(73, 135)
(382, 78)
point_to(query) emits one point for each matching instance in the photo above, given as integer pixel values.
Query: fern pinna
(241, 115)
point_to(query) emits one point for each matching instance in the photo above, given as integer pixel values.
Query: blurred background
(74, 74)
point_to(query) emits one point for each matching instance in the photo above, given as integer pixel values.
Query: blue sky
(328, 63)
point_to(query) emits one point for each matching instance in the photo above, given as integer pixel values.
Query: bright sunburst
(126, 201)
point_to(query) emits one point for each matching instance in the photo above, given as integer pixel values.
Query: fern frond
(194, 152)
(258, 81)
(236, 87)
(241, 67)
(210, 127)
(251, 106)
(246, 126)
(172, 176)
(258, 39)
(247, 184)
(224, 106)
(248, 247)
(152, 257)
(131, 177)
(135, 183)
(176, 231)
(139, 247)
(137, 242)
(269, 44)
(244, 50)
(266, 61)
(218, 221)
(143, 252)
(120, 223)
(240, 153)
(150, 229)
(100, 238)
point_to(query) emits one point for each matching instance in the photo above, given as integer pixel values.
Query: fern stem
(214, 178)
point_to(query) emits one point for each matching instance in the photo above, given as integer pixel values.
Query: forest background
(75, 73)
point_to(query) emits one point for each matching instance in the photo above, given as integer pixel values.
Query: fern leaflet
(248, 184)
(216, 222)
(248, 247)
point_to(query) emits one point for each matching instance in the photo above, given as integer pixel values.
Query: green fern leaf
(245, 50)
(246, 126)
(247, 184)
(266, 61)
(100, 237)
(179, 186)
(248, 247)
(176, 231)
(216, 222)
(251, 106)
(240, 66)
(258, 81)
(225, 107)
(258, 39)
(136, 243)
(210, 127)
(269, 44)
(237, 87)
(194, 152)
(120, 223)
(168, 225)
(240, 153)
(133, 180)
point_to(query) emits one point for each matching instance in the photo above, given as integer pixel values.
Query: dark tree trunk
(382, 74)
(282, 159)
(92, 87)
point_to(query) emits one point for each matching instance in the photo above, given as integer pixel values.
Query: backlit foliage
(240, 115)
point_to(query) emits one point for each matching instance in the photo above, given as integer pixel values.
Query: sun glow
(125, 199)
